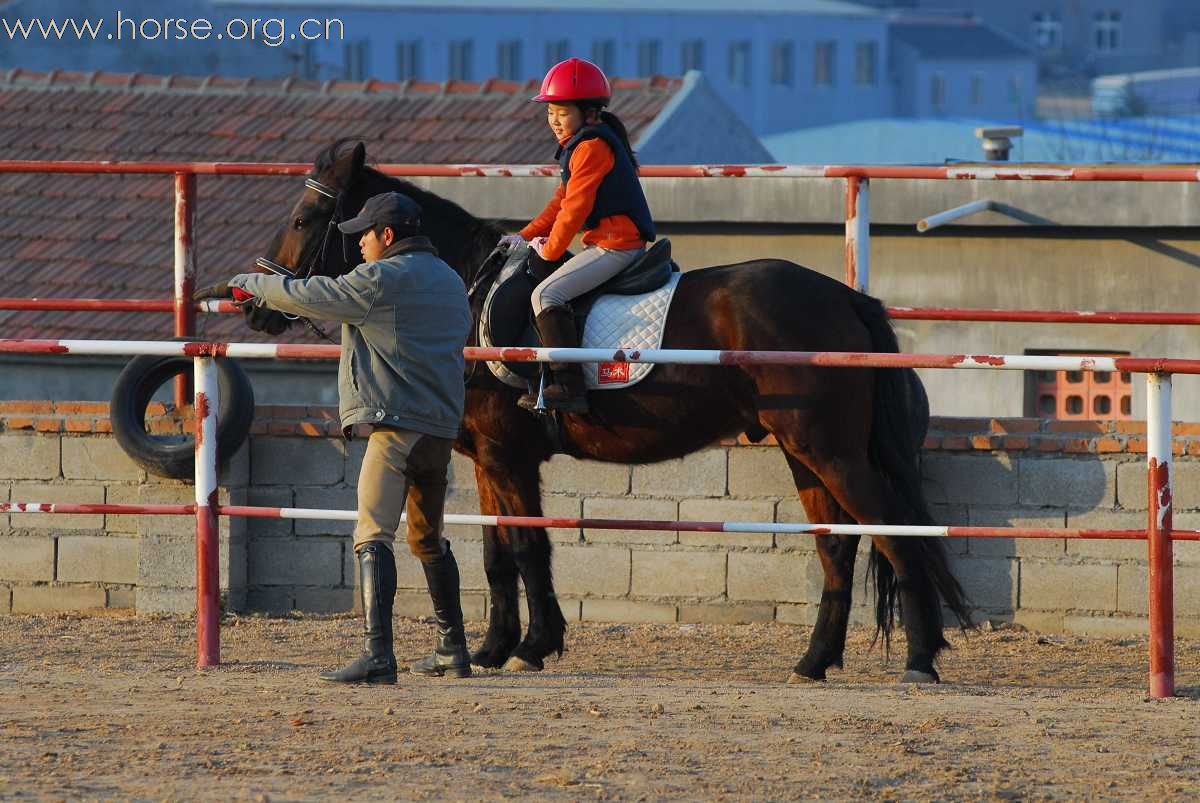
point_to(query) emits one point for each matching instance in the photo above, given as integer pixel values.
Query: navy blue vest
(620, 193)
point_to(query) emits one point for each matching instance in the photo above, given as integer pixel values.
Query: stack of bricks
(987, 472)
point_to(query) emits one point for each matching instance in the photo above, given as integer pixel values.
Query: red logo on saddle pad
(611, 373)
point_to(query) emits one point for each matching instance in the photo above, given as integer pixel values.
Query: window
(691, 55)
(648, 56)
(508, 60)
(461, 52)
(739, 63)
(1106, 27)
(308, 65)
(824, 56)
(1014, 88)
(1047, 30)
(556, 51)
(604, 54)
(976, 89)
(783, 67)
(1079, 395)
(866, 59)
(937, 91)
(354, 60)
(408, 60)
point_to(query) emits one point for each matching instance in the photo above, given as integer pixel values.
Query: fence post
(185, 271)
(208, 633)
(858, 233)
(1161, 578)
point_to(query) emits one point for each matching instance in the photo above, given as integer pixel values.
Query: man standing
(405, 321)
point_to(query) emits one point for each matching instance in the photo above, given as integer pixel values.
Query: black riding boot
(567, 391)
(450, 656)
(377, 581)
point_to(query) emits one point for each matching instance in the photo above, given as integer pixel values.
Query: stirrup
(539, 406)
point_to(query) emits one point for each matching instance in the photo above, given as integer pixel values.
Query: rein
(317, 256)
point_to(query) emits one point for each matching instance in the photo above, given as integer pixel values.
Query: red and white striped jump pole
(565, 522)
(208, 578)
(841, 359)
(858, 233)
(1159, 535)
(112, 305)
(899, 313)
(185, 271)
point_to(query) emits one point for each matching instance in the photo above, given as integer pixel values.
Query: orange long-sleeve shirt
(567, 211)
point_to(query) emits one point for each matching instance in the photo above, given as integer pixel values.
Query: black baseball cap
(393, 209)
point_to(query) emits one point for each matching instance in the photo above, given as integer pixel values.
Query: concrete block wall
(65, 452)
(988, 472)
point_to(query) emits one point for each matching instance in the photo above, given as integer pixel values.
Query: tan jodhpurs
(403, 468)
(582, 273)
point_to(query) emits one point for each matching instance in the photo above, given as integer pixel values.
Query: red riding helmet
(575, 80)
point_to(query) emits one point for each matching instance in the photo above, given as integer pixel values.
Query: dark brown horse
(850, 436)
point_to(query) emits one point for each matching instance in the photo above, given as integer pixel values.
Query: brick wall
(1024, 472)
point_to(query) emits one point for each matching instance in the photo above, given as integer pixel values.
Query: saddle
(507, 316)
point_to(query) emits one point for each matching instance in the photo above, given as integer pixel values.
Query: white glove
(510, 241)
(538, 244)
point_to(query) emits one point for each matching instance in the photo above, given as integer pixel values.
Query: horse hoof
(796, 678)
(515, 664)
(917, 676)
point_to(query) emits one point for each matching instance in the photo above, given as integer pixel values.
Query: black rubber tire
(174, 456)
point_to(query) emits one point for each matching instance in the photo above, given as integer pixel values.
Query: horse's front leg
(504, 618)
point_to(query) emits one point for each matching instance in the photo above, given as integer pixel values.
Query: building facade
(780, 65)
(946, 67)
(1085, 38)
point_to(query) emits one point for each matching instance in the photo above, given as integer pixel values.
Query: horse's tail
(900, 419)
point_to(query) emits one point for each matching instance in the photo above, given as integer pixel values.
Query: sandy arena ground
(104, 707)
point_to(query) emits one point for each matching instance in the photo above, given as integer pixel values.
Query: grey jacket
(405, 320)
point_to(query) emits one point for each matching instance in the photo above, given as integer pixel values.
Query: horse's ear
(358, 159)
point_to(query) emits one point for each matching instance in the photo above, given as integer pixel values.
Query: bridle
(317, 257)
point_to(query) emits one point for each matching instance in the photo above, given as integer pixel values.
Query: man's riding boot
(567, 392)
(377, 582)
(450, 656)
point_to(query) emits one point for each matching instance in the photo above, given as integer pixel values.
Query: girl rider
(600, 194)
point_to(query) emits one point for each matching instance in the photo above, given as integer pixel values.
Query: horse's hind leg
(837, 554)
(863, 493)
(532, 552)
(515, 485)
(920, 607)
(504, 622)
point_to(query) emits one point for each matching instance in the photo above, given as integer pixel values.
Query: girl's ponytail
(614, 122)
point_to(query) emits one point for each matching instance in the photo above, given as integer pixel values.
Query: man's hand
(510, 240)
(538, 244)
(218, 290)
(222, 290)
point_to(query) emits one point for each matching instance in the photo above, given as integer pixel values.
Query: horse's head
(308, 242)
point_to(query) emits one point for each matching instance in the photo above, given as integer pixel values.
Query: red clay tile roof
(111, 236)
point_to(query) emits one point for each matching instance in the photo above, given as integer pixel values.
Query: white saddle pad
(626, 322)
